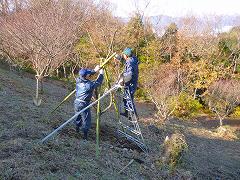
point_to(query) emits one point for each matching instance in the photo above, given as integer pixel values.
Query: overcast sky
(125, 8)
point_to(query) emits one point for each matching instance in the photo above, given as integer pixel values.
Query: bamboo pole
(125, 167)
(98, 127)
(115, 87)
(65, 99)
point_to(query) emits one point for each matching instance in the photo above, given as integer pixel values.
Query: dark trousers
(84, 119)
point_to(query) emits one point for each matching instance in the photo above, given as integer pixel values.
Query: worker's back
(85, 87)
(132, 65)
(84, 90)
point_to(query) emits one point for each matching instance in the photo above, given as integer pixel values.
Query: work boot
(85, 136)
(124, 114)
(77, 129)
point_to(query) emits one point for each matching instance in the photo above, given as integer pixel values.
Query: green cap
(127, 51)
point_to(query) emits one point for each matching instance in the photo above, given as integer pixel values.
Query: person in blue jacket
(84, 93)
(130, 74)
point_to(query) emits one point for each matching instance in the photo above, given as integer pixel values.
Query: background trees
(182, 61)
(162, 88)
(229, 44)
(200, 57)
(223, 96)
(43, 35)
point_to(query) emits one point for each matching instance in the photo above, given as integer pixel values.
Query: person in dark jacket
(84, 93)
(130, 74)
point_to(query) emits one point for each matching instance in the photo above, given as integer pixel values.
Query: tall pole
(115, 87)
(98, 128)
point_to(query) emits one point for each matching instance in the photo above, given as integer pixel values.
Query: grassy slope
(66, 156)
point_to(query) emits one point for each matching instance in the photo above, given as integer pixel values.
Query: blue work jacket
(131, 68)
(85, 87)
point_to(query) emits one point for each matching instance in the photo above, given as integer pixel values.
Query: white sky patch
(125, 8)
(224, 29)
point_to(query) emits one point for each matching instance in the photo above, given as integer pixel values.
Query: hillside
(67, 156)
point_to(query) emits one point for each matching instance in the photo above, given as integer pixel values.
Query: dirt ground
(210, 155)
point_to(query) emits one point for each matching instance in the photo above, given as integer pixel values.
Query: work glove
(121, 79)
(101, 71)
(118, 57)
(97, 68)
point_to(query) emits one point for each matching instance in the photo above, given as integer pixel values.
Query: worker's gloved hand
(97, 68)
(101, 71)
(121, 79)
(118, 57)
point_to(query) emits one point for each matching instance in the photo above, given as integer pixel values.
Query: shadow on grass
(214, 123)
(212, 158)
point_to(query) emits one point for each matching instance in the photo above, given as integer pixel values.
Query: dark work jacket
(84, 88)
(131, 67)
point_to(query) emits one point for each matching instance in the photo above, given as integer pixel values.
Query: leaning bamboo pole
(115, 87)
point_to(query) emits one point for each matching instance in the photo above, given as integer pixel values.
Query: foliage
(162, 88)
(229, 45)
(223, 97)
(134, 30)
(199, 75)
(173, 150)
(141, 94)
(169, 41)
(189, 58)
(236, 111)
(152, 52)
(187, 106)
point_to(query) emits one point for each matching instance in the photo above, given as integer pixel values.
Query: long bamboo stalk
(98, 127)
(115, 87)
(65, 99)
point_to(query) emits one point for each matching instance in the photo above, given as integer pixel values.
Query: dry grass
(66, 156)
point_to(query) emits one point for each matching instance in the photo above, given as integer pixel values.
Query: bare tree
(162, 88)
(103, 30)
(223, 97)
(197, 49)
(44, 34)
(101, 38)
(10, 6)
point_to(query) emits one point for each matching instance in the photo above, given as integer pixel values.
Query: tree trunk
(64, 72)
(37, 100)
(57, 71)
(37, 87)
(235, 66)
(72, 71)
(195, 93)
(221, 121)
(41, 85)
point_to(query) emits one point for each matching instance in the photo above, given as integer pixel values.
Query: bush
(141, 94)
(173, 151)
(29, 69)
(227, 132)
(187, 106)
(236, 111)
(223, 97)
